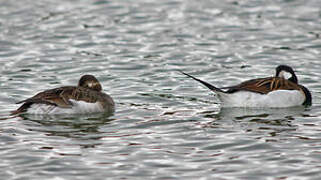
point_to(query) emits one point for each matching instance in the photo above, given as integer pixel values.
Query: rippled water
(166, 126)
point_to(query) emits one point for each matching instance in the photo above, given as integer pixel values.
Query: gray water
(166, 126)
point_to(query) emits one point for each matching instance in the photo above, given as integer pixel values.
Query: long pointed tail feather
(208, 85)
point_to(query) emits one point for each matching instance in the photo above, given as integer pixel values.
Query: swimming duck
(87, 97)
(274, 92)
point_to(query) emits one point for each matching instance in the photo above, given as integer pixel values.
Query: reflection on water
(165, 126)
(247, 119)
(261, 114)
(82, 126)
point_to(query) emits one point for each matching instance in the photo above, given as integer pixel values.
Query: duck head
(281, 70)
(90, 82)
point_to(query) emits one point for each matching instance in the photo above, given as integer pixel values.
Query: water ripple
(166, 126)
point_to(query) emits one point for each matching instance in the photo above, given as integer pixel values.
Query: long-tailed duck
(87, 97)
(274, 92)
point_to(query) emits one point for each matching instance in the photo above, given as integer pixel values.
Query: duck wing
(56, 97)
(264, 85)
(60, 97)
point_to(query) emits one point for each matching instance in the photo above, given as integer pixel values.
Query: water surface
(166, 126)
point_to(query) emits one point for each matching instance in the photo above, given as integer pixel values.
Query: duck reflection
(82, 127)
(249, 119)
(260, 114)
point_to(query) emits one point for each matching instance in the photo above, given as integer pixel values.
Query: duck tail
(21, 109)
(208, 85)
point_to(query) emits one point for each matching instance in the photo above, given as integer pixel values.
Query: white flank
(78, 107)
(274, 99)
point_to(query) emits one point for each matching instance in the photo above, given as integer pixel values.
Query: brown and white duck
(87, 97)
(273, 92)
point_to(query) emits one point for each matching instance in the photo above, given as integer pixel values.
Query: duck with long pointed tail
(272, 92)
(85, 98)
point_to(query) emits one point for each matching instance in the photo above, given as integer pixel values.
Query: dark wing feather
(264, 85)
(54, 97)
(60, 97)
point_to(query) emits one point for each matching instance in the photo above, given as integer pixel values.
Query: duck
(87, 97)
(271, 92)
